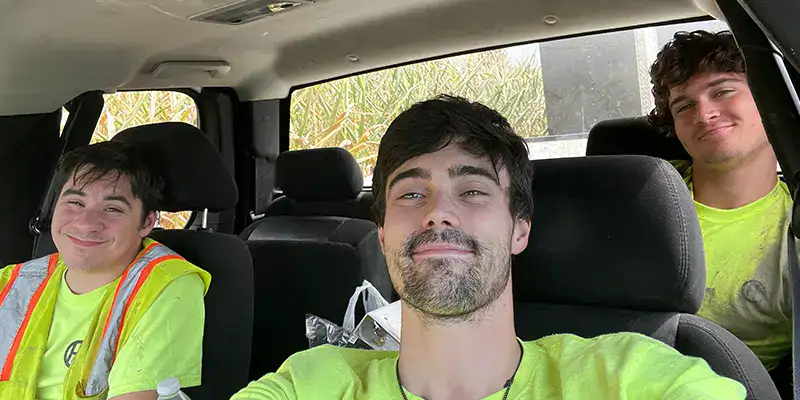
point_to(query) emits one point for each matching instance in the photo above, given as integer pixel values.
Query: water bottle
(170, 389)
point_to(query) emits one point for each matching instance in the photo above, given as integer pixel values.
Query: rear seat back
(633, 136)
(309, 254)
(616, 246)
(323, 182)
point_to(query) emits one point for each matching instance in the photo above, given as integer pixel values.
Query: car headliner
(55, 50)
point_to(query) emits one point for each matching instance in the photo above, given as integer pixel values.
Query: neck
(735, 185)
(84, 281)
(465, 360)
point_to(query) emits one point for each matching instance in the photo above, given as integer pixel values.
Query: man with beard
(702, 98)
(453, 200)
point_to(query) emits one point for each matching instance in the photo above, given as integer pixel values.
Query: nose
(441, 213)
(89, 221)
(705, 112)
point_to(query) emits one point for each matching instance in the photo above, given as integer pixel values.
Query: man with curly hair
(702, 97)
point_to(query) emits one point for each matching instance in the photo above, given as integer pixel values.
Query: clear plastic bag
(320, 331)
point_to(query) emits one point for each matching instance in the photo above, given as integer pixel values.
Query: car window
(123, 110)
(64, 117)
(552, 93)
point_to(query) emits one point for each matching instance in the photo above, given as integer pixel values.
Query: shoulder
(5, 271)
(327, 356)
(189, 284)
(29, 266)
(610, 345)
(642, 364)
(324, 372)
(630, 353)
(783, 189)
(176, 270)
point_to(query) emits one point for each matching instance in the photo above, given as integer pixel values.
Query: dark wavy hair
(432, 125)
(688, 54)
(88, 164)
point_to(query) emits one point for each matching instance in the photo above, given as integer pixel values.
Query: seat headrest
(195, 174)
(328, 174)
(629, 136)
(612, 231)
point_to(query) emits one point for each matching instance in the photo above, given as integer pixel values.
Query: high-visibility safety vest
(28, 294)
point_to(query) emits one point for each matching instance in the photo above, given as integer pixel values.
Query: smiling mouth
(440, 250)
(715, 130)
(84, 243)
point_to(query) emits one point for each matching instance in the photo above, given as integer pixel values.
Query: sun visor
(710, 7)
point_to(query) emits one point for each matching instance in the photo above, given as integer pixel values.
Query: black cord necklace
(507, 385)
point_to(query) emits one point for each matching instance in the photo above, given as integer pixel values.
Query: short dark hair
(431, 125)
(688, 54)
(97, 161)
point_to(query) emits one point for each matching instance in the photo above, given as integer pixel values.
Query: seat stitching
(683, 266)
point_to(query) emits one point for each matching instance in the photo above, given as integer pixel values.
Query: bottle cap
(168, 387)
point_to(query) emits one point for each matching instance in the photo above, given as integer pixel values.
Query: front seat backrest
(322, 182)
(196, 178)
(310, 251)
(303, 265)
(633, 136)
(616, 247)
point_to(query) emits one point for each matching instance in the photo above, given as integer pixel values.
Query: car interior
(269, 181)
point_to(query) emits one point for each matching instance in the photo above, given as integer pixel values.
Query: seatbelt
(84, 112)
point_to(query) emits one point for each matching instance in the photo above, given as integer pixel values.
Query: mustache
(452, 236)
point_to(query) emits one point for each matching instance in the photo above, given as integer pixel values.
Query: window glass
(552, 93)
(64, 117)
(123, 110)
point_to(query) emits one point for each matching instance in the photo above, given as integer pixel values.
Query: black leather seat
(322, 182)
(616, 246)
(196, 179)
(630, 136)
(308, 253)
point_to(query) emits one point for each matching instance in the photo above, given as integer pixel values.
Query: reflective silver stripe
(14, 307)
(98, 379)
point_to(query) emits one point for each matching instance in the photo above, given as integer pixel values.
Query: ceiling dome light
(550, 19)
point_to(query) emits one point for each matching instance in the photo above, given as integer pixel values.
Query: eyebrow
(408, 174)
(715, 82)
(119, 198)
(74, 192)
(468, 170)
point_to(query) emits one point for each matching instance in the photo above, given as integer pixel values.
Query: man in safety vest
(113, 312)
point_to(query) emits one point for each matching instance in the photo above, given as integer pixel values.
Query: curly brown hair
(688, 54)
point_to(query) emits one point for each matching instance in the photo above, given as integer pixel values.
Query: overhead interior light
(550, 19)
(246, 11)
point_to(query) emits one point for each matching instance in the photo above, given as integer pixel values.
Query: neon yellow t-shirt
(617, 366)
(167, 341)
(748, 288)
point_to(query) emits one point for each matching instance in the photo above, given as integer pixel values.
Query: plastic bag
(381, 328)
(320, 331)
(372, 301)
